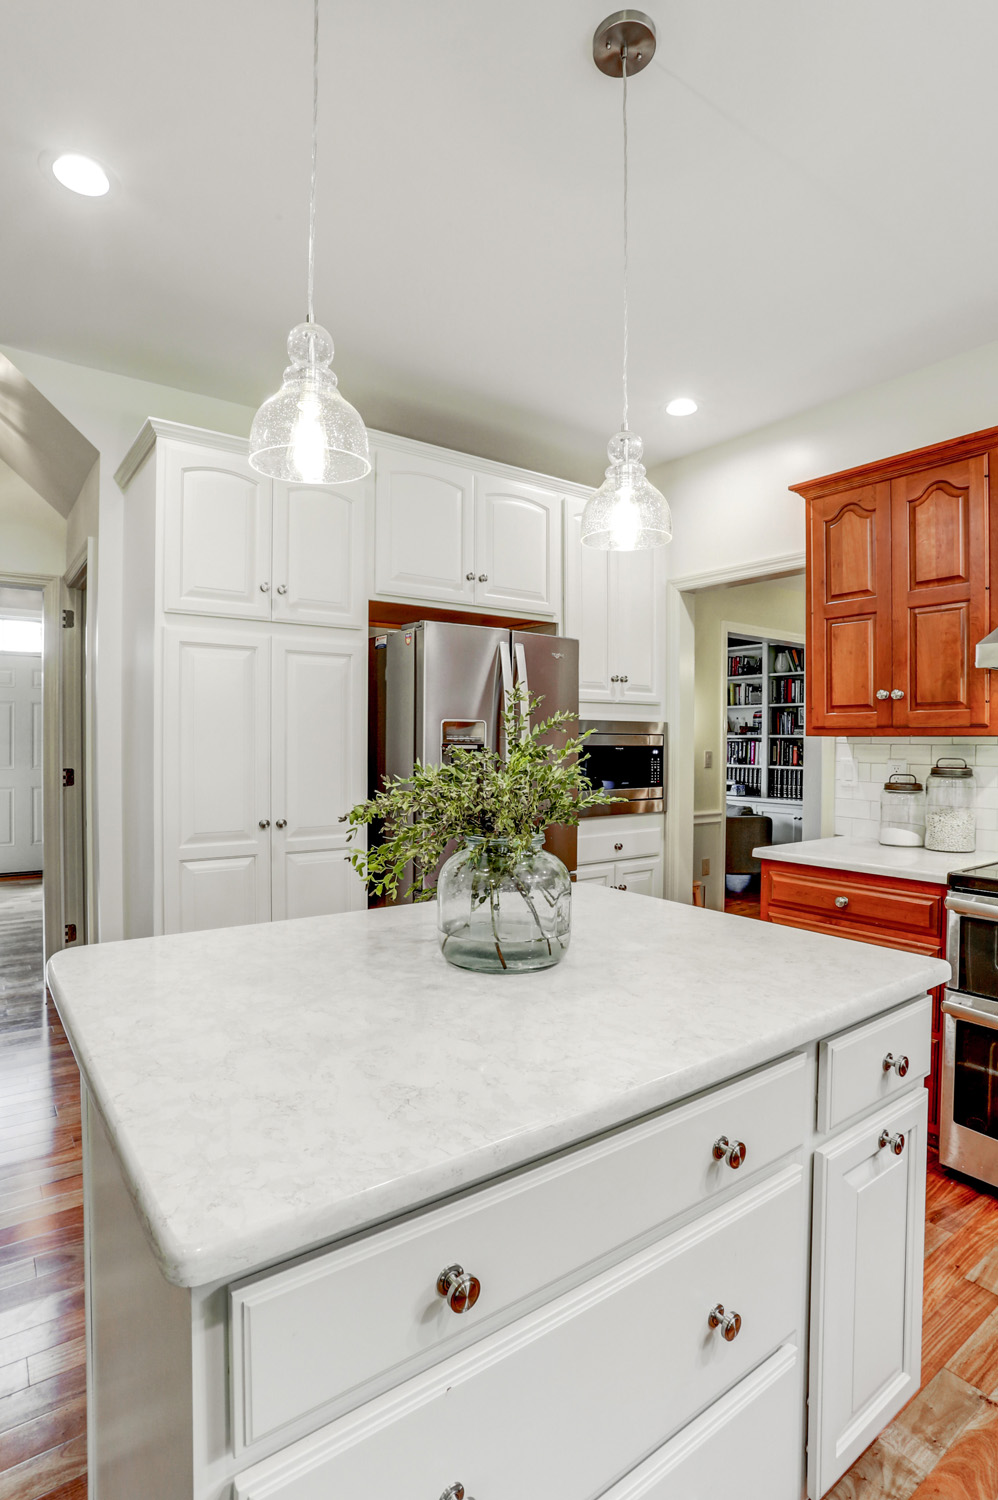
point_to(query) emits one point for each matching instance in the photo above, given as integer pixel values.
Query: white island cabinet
(359, 1222)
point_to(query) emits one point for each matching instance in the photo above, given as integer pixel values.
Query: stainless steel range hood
(987, 651)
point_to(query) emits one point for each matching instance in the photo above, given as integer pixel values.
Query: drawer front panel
(566, 1401)
(851, 1073)
(325, 1328)
(787, 917)
(892, 908)
(598, 844)
(747, 1446)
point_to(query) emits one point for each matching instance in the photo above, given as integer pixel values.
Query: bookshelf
(764, 746)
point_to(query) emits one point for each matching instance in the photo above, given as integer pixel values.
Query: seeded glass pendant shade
(308, 432)
(627, 513)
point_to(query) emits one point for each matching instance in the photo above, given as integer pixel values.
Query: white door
(216, 778)
(517, 546)
(587, 607)
(217, 533)
(319, 769)
(424, 528)
(634, 616)
(20, 763)
(641, 876)
(866, 1288)
(319, 555)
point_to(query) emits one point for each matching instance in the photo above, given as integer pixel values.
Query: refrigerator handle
(524, 686)
(506, 671)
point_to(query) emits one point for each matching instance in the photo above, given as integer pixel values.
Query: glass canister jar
(950, 813)
(902, 811)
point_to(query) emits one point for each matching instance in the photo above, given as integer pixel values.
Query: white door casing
(424, 528)
(21, 830)
(217, 534)
(516, 546)
(318, 567)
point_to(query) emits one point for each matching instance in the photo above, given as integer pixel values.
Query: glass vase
(501, 914)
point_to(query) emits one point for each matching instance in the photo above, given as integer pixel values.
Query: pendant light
(627, 513)
(307, 432)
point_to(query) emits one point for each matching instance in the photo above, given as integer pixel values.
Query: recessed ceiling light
(81, 175)
(683, 406)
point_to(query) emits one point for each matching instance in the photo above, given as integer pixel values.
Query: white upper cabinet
(517, 546)
(611, 606)
(217, 546)
(424, 528)
(319, 555)
(634, 624)
(587, 607)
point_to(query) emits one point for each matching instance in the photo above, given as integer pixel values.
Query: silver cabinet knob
(265, 588)
(281, 823)
(882, 693)
(842, 902)
(470, 577)
(618, 847)
(733, 1152)
(899, 1064)
(282, 588)
(264, 822)
(730, 1324)
(483, 577)
(454, 1492)
(623, 679)
(897, 693)
(622, 887)
(458, 1288)
(615, 677)
(896, 1142)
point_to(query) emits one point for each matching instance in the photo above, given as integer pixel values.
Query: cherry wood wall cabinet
(899, 562)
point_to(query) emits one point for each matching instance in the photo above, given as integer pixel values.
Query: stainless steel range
(968, 1122)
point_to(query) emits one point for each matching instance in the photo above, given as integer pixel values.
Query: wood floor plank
(933, 1421)
(35, 1310)
(879, 1474)
(49, 1429)
(41, 1337)
(13, 1377)
(976, 1361)
(969, 1469)
(985, 1273)
(59, 1239)
(42, 1224)
(76, 1489)
(48, 1206)
(949, 1323)
(18, 1271)
(53, 1361)
(34, 1400)
(36, 1478)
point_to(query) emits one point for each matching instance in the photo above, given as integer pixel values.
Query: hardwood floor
(747, 905)
(42, 1371)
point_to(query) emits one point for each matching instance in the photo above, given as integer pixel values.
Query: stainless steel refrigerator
(435, 686)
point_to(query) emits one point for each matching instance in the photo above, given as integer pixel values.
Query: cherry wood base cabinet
(899, 561)
(510, 1341)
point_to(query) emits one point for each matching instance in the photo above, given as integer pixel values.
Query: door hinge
(70, 932)
(68, 619)
(69, 777)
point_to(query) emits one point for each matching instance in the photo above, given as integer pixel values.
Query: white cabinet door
(641, 876)
(587, 607)
(866, 1288)
(517, 546)
(217, 533)
(216, 778)
(319, 555)
(424, 528)
(634, 625)
(319, 703)
(595, 874)
(21, 833)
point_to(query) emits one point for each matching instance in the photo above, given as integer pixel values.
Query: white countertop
(841, 853)
(269, 1088)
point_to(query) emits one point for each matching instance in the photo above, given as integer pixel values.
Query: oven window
(975, 1079)
(979, 957)
(621, 767)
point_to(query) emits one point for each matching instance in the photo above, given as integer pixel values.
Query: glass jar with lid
(951, 803)
(902, 811)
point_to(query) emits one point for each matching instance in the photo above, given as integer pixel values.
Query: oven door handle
(966, 906)
(985, 1018)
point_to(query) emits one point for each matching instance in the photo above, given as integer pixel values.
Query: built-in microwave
(628, 759)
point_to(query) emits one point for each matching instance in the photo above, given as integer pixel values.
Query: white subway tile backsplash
(863, 771)
(987, 753)
(864, 762)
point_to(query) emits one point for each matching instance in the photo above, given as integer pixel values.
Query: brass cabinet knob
(842, 902)
(281, 823)
(896, 1142)
(730, 1324)
(460, 1290)
(733, 1152)
(897, 693)
(882, 693)
(899, 1064)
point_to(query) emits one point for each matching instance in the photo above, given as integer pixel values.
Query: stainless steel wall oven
(628, 759)
(968, 1122)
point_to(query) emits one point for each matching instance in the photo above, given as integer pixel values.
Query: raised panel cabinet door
(318, 769)
(643, 877)
(424, 528)
(319, 555)
(634, 615)
(939, 529)
(587, 607)
(596, 874)
(517, 546)
(217, 533)
(866, 1284)
(216, 779)
(850, 674)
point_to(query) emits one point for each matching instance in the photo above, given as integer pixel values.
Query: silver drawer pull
(454, 1492)
(899, 1064)
(842, 902)
(896, 1142)
(730, 1324)
(460, 1290)
(733, 1152)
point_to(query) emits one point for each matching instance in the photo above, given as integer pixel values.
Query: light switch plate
(708, 760)
(705, 867)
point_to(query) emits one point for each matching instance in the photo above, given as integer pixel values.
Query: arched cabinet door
(850, 673)
(216, 544)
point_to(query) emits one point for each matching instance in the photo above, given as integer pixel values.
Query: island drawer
(326, 1331)
(853, 1069)
(897, 910)
(567, 1400)
(599, 844)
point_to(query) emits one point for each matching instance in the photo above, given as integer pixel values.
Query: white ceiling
(813, 206)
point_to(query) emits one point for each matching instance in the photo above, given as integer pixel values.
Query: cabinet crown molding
(968, 446)
(154, 427)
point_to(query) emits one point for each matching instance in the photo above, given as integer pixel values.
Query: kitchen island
(361, 1222)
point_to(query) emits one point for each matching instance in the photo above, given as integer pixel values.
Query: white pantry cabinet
(624, 852)
(448, 533)
(612, 607)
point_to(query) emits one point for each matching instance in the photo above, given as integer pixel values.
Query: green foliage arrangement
(478, 793)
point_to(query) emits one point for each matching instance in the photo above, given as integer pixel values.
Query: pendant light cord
(623, 59)
(315, 136)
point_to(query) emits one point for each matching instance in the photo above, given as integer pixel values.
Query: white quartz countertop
(873, 859)
(269, 1088)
